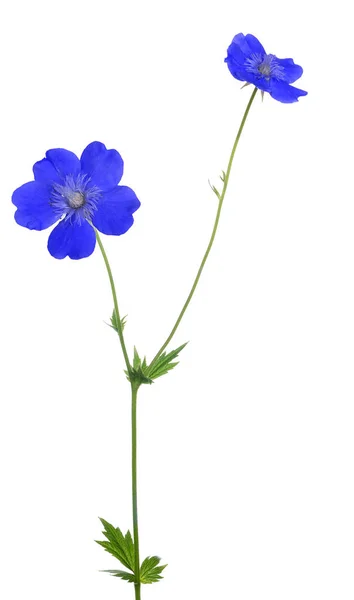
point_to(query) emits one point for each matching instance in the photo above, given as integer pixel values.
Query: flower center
(266, 66)
(76, 197)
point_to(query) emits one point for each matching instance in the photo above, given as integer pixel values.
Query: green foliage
(122, 548)
(138, 372)
(122, 574)
(164, 363)
(114, 321)
(143, 373)
(150, 572)
(215, 190)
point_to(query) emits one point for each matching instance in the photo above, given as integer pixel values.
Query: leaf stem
(135, 388)
(216, 223)
(115, 302)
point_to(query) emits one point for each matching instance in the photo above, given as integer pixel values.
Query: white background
(246, 449)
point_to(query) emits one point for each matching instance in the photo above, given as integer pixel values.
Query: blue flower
(81, 193)
(247, 61)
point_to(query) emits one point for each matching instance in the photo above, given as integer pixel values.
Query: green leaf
(118, 545)
(122, 574)
(143, 373)
(129, 544)
(164, 363)
(138, 371)
(150, 572)
(215, 190)
(136, 360)
(122, 547)
(114, 321)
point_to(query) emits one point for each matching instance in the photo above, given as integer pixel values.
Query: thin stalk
(135, 493)
(221, 197)
(115, 302)
(134, 388)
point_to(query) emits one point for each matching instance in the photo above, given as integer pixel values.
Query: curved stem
(216, 223)
(115, 302)
(135, 494)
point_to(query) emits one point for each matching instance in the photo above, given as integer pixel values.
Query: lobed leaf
(164, 363)
(118, 545)
(150, 572)
(122, 574)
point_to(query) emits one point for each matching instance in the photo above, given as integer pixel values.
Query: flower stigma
(76, 199)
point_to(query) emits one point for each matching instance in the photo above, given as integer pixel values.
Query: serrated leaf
(164, 370)
(118, 545)
(136, 360)
(138, 372)
(122, 574)
(109, 548)
(137, 375)
(150, 572)
(164, 363)
(130, 548)
(114, 321)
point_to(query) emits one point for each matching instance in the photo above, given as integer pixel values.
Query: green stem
(135, 494)
(134, 388)
(216, 223)
(115, 302)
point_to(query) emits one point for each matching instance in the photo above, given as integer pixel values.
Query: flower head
(79, 193)
(247, 61)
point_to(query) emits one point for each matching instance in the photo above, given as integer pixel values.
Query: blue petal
(104, 167)
(262, 83)
(243, 74)
(254, 45)
(236, 59)
(63, 161)
(291, 72)
(236, 69)
(114, 211)
(282, 91)
(73, 239)
(33, 203)
(239, 45)
(45, 172)
(243, 46)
